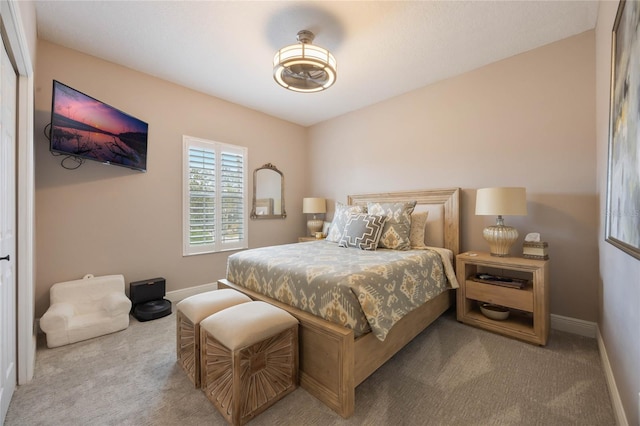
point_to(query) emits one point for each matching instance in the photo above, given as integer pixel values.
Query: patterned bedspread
(359, 289)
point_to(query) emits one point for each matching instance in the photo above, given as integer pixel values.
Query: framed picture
(623, 175)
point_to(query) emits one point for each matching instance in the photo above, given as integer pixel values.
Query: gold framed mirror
(268, 193)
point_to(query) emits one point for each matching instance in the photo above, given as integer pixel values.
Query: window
(215, 196)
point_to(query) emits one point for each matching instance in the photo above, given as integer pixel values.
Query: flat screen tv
(84, 127)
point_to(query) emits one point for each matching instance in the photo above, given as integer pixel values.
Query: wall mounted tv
(84, 127)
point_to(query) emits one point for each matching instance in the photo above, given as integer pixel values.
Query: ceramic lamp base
(314, 225)
(500, 239)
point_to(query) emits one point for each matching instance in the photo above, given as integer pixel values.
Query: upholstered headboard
(443, 205)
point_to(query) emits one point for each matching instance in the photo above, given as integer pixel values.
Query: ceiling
(383, 48)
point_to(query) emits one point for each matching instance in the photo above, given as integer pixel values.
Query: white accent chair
(86, 308)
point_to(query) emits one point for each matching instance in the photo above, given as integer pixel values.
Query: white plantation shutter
(215, 196)
(232, 184)
(202, 196)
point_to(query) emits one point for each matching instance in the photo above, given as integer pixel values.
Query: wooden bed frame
(332, 361)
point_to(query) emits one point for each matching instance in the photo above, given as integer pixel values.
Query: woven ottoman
(249, 359)
(190, 312)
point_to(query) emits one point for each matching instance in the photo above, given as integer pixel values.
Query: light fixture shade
(304, 67)
(501, 201)
(314, 205)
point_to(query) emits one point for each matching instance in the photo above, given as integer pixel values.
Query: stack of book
(502, 281)
(535, 250)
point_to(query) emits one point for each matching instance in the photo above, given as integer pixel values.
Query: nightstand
(529, 318)
(303, 239)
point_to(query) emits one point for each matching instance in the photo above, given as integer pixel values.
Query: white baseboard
(591, 329)
(177, 295)
(616, 402)
(573, 325)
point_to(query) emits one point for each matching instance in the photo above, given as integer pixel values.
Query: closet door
(8, 318)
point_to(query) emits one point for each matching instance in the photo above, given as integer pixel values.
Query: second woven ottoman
(192, 310)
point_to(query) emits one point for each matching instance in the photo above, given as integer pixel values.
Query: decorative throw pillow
(340, 217)
(362, 231)
(395, 234)
(418, 229)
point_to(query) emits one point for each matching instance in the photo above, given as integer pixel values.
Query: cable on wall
(77, 161)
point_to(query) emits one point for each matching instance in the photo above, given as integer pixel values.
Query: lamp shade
(501, 201)
(314, 205)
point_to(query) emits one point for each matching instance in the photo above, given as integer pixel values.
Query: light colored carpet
(451, 374)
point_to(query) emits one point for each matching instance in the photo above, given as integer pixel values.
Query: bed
(335, 359)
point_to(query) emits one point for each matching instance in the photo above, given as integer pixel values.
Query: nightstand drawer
(504, 296)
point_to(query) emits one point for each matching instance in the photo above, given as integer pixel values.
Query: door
(8, 342)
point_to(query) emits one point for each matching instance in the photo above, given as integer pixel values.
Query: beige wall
(619, 272)
(28, 19)
(524, 121)
(106, 219)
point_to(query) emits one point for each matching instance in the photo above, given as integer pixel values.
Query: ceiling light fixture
(304, 67)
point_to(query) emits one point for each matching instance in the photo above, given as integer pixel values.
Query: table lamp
(314, 206)
(501, 202)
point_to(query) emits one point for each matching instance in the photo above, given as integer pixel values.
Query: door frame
(18, 50)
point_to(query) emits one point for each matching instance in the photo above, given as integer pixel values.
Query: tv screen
(84, 127)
